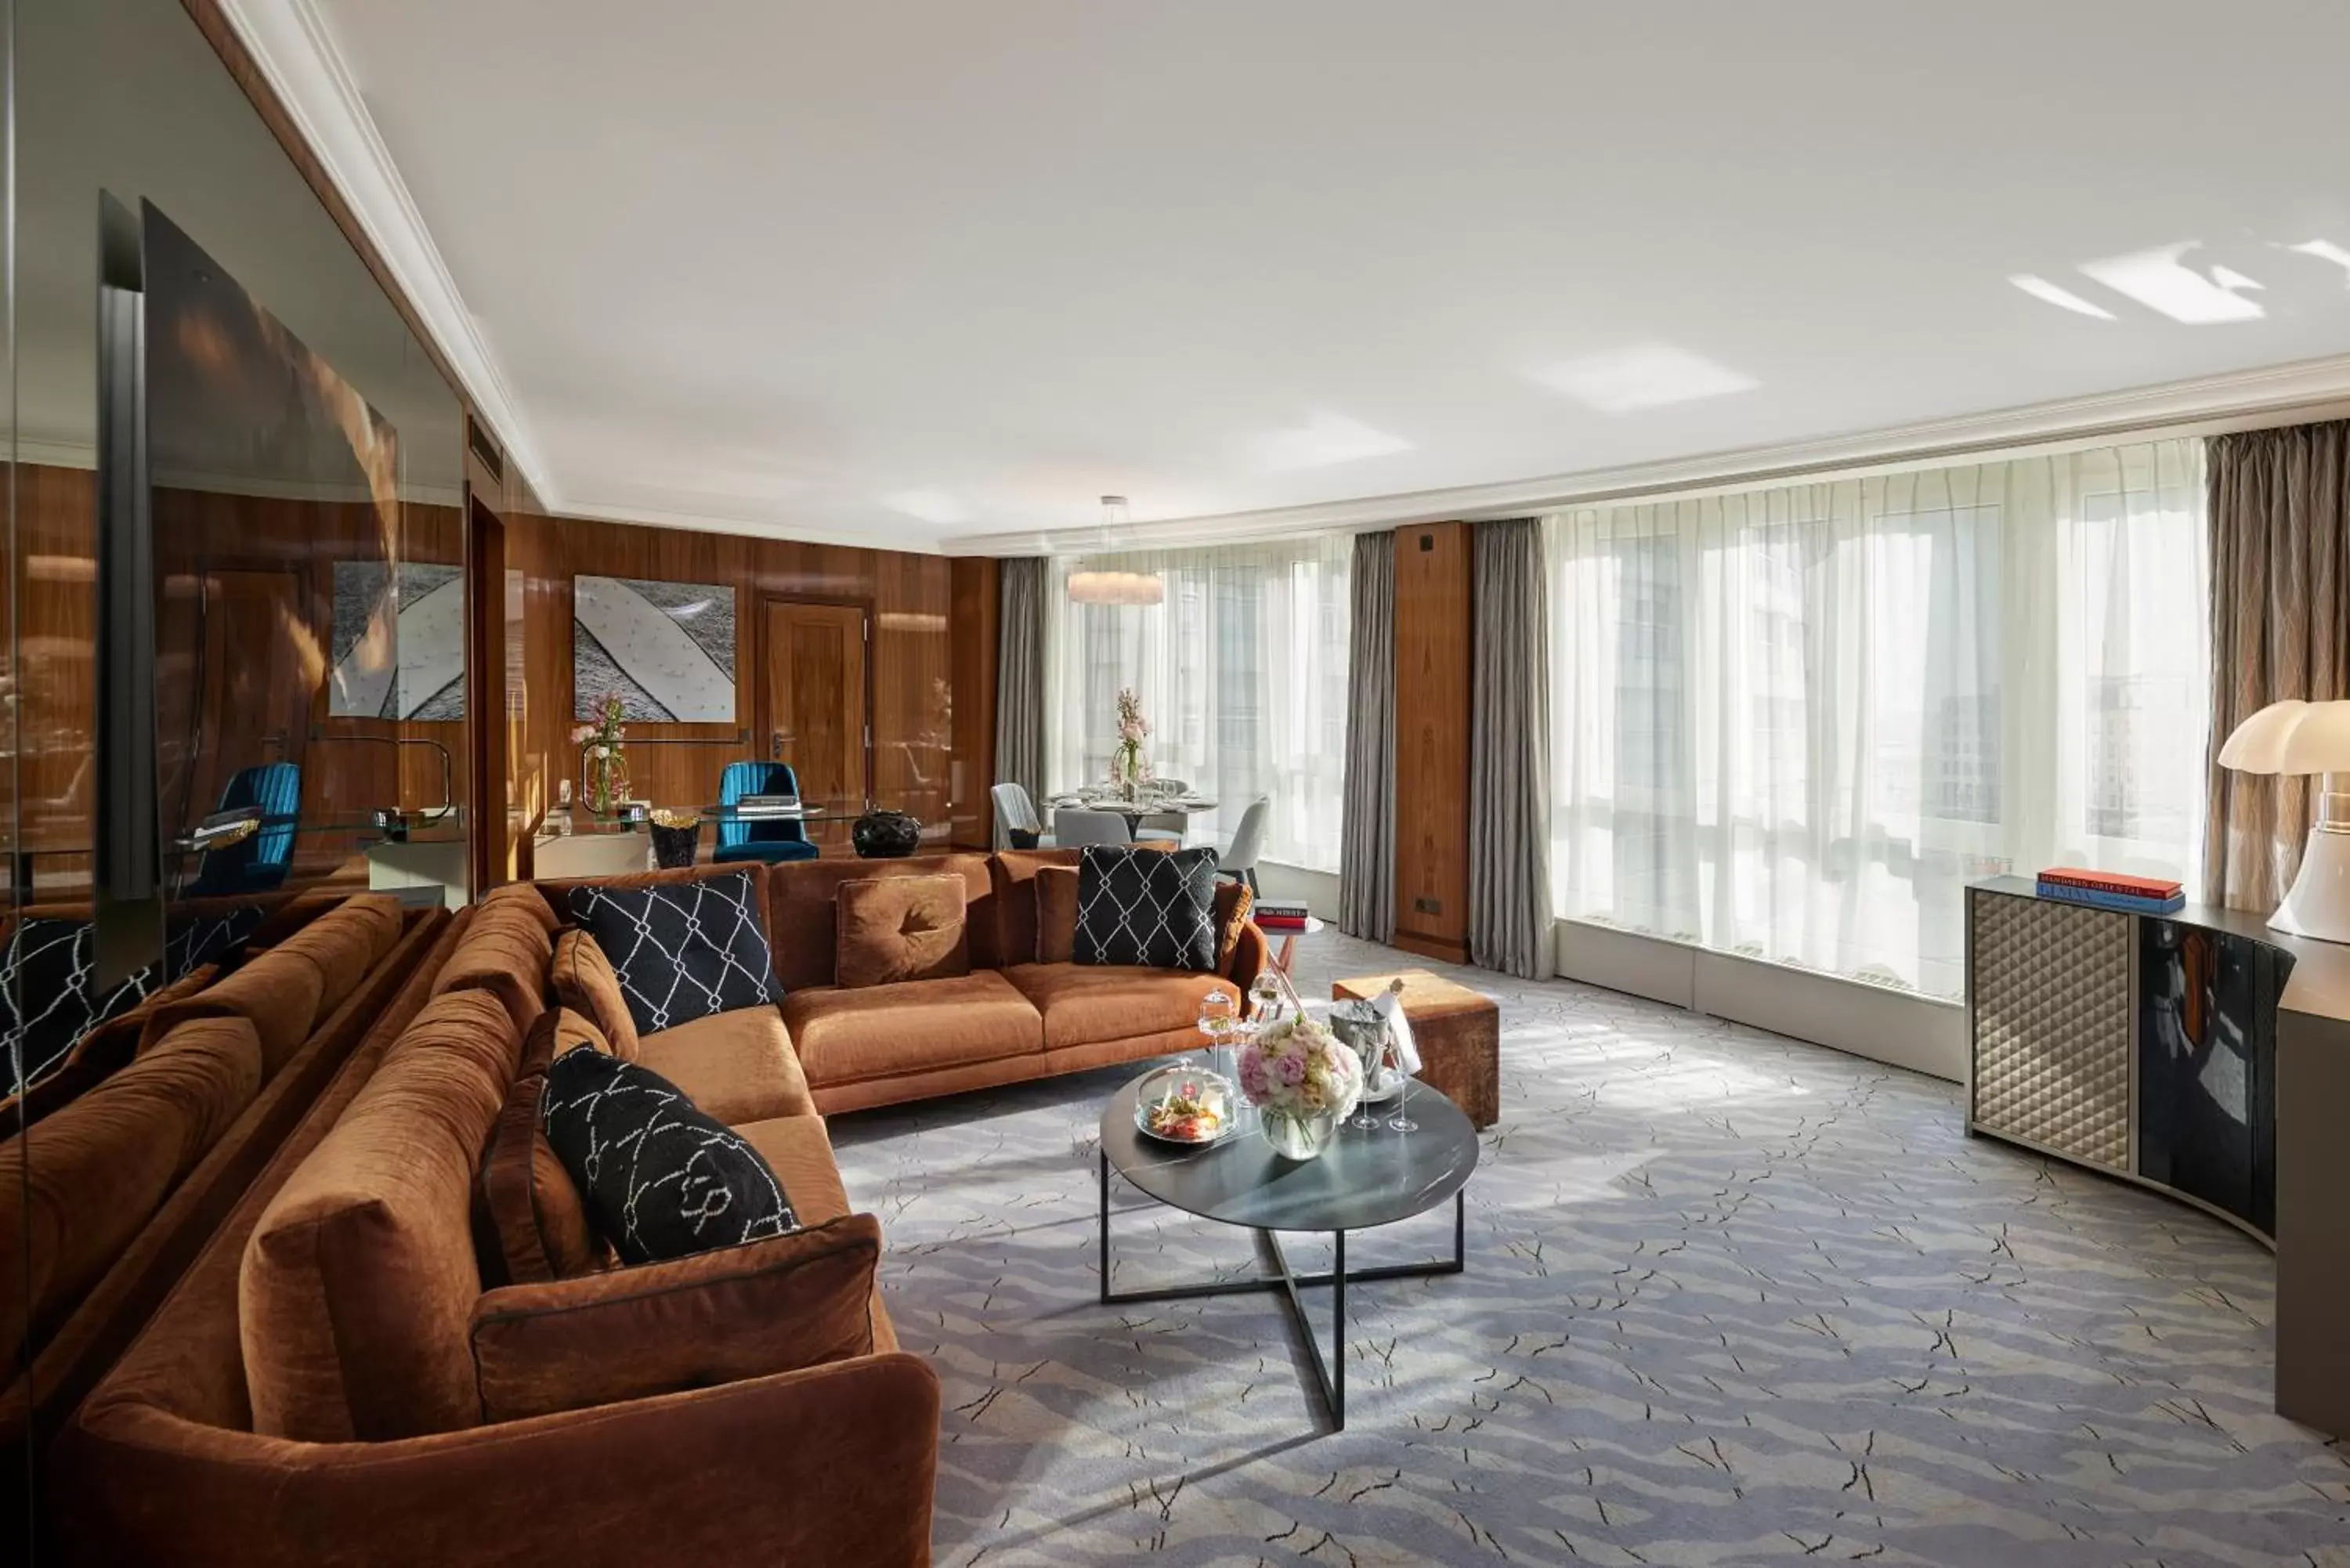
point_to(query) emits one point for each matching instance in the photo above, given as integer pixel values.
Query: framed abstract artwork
(667, 649)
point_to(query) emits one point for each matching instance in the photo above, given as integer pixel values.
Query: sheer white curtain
(1241, 672)
(1794, 723)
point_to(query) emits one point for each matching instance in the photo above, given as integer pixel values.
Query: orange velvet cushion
(278, 993)
(1234, 901)
(773, 1306)
(1057, 913)
(843, 1037)
(736, 1066)
(534, 1221)
(506, 952)
(357, 1284)
(1086, 1004)
(345, 942)
(894, 928)
(526, 898)
(585, 982)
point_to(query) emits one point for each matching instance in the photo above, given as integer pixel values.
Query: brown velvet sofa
(108, 1196)
(345, 1376)
(354, 1371)
(1011, 1018)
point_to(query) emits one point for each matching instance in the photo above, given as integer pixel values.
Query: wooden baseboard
(1441, 948)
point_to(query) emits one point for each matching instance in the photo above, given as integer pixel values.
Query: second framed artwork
(666, 648)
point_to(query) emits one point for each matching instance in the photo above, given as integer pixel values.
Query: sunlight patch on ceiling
(1649, 376)
(1323, 440)
(2060, 296)
(2161, 282)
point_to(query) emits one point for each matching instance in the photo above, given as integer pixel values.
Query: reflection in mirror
(298, 464)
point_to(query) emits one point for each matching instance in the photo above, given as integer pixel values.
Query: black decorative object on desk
(677, 839)
(886, 835)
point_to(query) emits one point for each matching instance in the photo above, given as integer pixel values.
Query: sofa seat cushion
(737, 1067)
(1085, 1005)
(876, 1031)
(799, 1151)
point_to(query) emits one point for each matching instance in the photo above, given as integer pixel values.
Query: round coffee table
(1363, 1179)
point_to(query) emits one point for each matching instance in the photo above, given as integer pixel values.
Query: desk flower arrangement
(1127, 768)
(603, 764)
(1303, 1080)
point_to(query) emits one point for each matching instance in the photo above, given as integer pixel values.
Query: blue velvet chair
(257, 863)
(781, 838)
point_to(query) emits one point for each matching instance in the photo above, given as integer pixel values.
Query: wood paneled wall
(932, 752)
(1432, 645)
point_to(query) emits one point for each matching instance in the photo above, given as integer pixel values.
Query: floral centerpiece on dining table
(1303, 1080)
(603, 760)
(1126, 767)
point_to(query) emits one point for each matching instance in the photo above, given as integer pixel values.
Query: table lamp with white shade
(2297, 737)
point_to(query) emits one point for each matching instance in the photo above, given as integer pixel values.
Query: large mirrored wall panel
(290, 460)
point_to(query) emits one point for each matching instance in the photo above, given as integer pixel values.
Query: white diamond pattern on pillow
(682, 950)
(2053, 1035)
(1147, 906)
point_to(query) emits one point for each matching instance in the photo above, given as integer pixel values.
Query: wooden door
(818, 716)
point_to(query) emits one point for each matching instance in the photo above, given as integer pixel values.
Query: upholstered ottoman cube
(1459, 1034)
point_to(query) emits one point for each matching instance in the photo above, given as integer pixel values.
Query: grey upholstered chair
(1015, 814)
(1239, 857)
(1072, 828)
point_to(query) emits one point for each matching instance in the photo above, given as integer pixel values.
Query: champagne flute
(1402, 1121)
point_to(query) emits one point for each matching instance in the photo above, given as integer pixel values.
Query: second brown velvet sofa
(1012, 1017)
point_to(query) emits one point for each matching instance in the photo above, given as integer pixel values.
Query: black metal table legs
(1331, 1374)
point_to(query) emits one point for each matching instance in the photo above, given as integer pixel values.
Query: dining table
(1134, 810)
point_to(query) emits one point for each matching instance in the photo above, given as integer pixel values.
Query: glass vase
(603, 778)
(1298, 1137)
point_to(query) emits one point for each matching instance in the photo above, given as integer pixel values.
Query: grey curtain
(1367, 835)
(1020, 676)
(1509, 751)
(2280, 530)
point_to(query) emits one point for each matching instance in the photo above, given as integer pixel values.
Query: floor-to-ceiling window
(1794, 722)
(1243, 675)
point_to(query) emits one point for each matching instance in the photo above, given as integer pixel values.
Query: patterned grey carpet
(1731, 1298)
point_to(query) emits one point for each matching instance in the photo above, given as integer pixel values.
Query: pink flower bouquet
(1302, 1079)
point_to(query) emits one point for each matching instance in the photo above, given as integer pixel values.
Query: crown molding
(295, 50)
(2210, 405)
(714, 523)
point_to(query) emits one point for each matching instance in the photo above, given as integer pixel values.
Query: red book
(2112, 882)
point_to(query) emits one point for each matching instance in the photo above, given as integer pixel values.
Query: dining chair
(1238, 859)
(774, 840)
(1015, 814)
(1072, 828)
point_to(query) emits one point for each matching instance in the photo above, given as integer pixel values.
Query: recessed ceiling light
(928, 505)
(2158, 280)
(1647, 377)
(1324, 439)
(2041, 289)
(2325, 250)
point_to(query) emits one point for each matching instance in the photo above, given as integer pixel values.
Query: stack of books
(2112, 890)
(1273, 915)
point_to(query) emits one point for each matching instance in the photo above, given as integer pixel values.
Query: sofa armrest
(832, 1464)
(1250, 955)
(772, 1305)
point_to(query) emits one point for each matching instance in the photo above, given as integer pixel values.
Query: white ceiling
(917, 271)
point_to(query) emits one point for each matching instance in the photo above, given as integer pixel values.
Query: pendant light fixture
(1114, 588)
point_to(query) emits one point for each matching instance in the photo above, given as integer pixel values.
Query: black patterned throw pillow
(1145, 906)
(684, 950)
(662, 1179)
